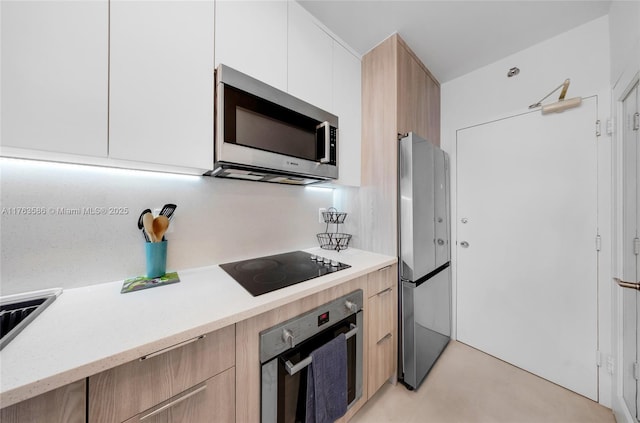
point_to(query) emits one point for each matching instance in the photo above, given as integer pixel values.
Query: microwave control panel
(333, 139)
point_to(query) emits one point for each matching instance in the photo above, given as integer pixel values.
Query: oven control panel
(280, 338)
(323, 318)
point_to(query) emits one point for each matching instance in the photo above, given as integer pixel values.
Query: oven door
(258, 126)
(284, 378)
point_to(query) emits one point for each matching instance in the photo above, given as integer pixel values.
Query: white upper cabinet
(130, 83)
(54, 76)
(161, 82)
(251, 37)
(347, 104)
(310, 59)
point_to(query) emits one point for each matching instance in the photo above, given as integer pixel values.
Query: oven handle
(292, 369)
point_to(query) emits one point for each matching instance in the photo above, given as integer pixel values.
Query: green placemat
(143, 282)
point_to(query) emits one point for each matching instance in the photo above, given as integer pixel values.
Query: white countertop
(94, 328)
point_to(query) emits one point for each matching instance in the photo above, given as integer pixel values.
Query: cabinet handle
(384, 338)
(385, 268)
(173, 347)
(174, 402)
(385, 291)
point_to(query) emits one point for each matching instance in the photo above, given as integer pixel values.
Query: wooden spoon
(160, 225)
(147, 222)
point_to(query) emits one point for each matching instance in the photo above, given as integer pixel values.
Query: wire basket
(334, 216)
(334, 241)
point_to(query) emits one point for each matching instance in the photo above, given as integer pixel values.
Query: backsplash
(70, 226)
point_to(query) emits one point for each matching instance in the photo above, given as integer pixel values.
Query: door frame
(619, 91)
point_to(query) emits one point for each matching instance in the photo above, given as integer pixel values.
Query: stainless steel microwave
(264, 134)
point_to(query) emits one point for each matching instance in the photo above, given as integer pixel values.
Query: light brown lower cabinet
(63, 405)
(130, 389)
(199, 380)
(211, 401)
(382, 329)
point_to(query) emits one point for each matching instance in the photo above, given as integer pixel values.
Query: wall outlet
(320, 217)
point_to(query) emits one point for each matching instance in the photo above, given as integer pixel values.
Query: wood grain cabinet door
(211, 401)
(381, 279)
(63, 405)
(382, 338)
(418, 97)
(382, 326)
(118, 394)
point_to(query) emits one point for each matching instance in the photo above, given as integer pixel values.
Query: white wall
(216, 221)
(582, 55)
(624, 30)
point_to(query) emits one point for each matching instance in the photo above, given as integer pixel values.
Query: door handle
(464, 244)
(625, 284)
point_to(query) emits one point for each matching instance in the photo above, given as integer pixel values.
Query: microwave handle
(323, 129)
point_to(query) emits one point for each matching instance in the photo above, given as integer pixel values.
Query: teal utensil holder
(156, 253)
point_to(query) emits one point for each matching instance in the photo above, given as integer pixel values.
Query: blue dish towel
(327, 382)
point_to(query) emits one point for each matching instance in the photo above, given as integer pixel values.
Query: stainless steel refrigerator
(424, 257)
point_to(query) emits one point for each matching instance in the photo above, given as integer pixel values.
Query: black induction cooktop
(265, 274)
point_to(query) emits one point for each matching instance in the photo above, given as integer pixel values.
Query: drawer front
(211, 401)
(381, 279)
(382, 363)
(382, 336)
(62, 405)
(117, 394)
(383, 317)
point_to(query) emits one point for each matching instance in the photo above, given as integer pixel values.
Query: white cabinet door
(54, 76)
(251, 36)
(310, 59)
(347, 105)
(161, 86)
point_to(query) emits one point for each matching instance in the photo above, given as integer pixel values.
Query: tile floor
(467, 385)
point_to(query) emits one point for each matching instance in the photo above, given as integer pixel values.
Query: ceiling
(453, 38)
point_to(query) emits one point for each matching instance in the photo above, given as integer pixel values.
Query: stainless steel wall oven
(284, 356)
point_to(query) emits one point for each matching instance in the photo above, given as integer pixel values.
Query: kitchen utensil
(147, 222)
(160, 225)
(141, 225)
(167, 210)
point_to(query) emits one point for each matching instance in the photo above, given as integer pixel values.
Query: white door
(526, 257)
(630, 257)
